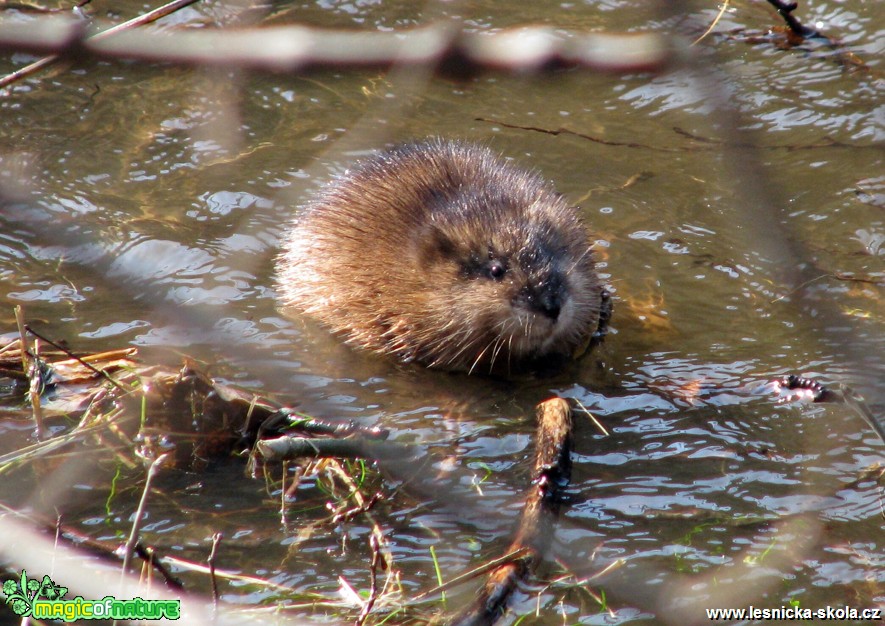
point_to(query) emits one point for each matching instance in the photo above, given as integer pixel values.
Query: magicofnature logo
(44, 600)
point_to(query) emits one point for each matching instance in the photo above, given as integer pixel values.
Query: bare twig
(383, 548)
(139, 513)
(602, 429)
(288, 48)
(284, 491)
(147, 554)
(785, 10)
(26, 7)
(473, 573)
(551, 470)
(36, 375)
(81, 361)
(373, 581)
(288, 421)
(710, 28)
(606, 142)
(147, 18)
(216, 539)
(287, 448)
(20, 322)
(703, 143)
(346, 516)
(33, 372)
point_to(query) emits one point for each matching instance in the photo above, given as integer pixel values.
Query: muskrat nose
(546, 300)
(550, 305)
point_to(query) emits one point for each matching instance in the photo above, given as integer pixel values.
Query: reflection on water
(133, 224)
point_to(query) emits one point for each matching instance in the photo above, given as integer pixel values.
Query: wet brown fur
(442, 253)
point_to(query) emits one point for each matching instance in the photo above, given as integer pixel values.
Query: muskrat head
(520, 284)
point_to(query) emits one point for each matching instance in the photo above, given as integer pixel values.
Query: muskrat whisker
(500, 343)
(478, 358)
(443, 340)
(509, 350)
(461, 339)
(588, 250)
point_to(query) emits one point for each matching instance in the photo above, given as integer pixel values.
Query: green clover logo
(21, 594)
(16, 595)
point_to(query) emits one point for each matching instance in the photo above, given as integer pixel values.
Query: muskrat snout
(546, 299)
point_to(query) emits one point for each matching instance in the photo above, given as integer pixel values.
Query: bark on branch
(551, 472)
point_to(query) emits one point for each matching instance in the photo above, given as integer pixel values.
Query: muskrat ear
(433, 245)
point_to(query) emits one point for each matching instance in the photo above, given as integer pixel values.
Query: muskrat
(442, 253)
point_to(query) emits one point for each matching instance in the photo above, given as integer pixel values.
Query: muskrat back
(442, 253)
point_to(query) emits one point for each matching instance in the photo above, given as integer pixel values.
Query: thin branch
(81, 361)
(290, 448)
(149, 556)
(288, 48)
(216, 539)
(33, 372)
(23, 338)
(488, 566)
(536, 525)
(373, 581)
(710, 28)
(785, 10)
(139, 513)
(147, 18)
(703, 143)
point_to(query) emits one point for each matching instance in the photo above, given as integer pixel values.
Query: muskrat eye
(490, 268)
(496, 270)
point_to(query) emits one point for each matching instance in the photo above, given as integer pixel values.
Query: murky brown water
(150, 200)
